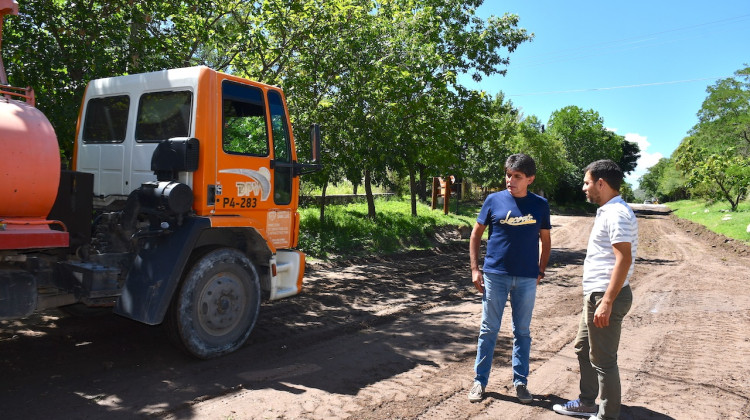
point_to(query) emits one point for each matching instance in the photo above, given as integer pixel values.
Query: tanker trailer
(29, 180)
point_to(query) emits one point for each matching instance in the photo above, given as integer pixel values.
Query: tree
(402, 81)
(58, 46)
(631, 152)
(584, 136)
(724, 117)
(548, 153)
(488, 139)
(724, 175)
(664, 181)
(715, 158)
(585, 140)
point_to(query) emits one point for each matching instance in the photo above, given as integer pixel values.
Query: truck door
(282, 151)
(250, 184)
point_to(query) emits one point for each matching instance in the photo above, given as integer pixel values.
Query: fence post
(435, 189)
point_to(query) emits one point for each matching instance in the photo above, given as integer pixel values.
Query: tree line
(713, 161)
(383, 78)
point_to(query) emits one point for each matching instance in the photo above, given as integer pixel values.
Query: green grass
(348, 232)
(717, 217)
(343, 188)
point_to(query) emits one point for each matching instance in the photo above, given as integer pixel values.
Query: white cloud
(646, 160)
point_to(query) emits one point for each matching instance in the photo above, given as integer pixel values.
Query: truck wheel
(217, 304)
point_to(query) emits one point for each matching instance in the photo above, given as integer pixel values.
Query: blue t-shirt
(513, 236)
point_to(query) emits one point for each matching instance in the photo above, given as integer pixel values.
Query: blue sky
(643, 65)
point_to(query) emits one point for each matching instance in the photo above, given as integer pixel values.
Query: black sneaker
(576, 408)
(523, 394)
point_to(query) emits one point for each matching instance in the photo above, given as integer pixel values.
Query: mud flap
(156, 272)
(290, 268)
(18, 294)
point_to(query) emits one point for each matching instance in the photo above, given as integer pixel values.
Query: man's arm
(544, 237)
(623, 259)
(474, 242)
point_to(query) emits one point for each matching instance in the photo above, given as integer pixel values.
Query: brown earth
(394, 337)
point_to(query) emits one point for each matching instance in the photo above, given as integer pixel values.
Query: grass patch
(348, 232)
(717, 217)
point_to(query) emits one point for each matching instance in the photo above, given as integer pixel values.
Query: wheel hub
(221, 304)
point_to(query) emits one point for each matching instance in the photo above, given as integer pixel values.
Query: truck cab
(245, 174)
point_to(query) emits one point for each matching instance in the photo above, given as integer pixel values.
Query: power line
(623, 44)
(614, 87)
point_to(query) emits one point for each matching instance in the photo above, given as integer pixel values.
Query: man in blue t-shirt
(518, 221)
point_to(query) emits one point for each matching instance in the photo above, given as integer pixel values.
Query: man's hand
(623, 259)
(478, 280)
(602, 313)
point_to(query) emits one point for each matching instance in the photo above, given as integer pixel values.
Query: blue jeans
(522, 292)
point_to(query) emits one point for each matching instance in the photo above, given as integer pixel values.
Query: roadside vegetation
(716, 216)
(347, 231)
(711, 164)
(707, 178)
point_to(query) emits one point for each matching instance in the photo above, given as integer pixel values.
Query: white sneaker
(476, 393)
(576, 408)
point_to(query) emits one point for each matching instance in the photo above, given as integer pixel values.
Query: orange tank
(29, 161)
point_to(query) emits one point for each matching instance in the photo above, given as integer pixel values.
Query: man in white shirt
(607, 295)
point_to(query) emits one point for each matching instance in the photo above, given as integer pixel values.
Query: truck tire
(217, 304)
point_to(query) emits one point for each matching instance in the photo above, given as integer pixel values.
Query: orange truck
(180, 208)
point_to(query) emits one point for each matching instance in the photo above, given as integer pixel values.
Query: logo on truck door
(259, 184)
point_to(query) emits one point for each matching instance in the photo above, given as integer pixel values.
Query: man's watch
(541, 274)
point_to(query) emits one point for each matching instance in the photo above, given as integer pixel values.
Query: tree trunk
(323, 203)
(412, 190)
(370, 198)
(422, 186)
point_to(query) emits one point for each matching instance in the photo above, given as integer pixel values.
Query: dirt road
(395, 337)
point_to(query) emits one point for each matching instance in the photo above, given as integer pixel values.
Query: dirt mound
(714, 239)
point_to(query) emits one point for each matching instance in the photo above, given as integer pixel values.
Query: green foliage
(715, 158)
(716, 216)
(584, 136)
(347, 230)
(487, 139)
(585, 139)
(724, 117)
(722, 174)
(626, 191)
(630, 154)
(56, 47)
(245, 134)
(547, 151)
(664, 181)
(395, 94)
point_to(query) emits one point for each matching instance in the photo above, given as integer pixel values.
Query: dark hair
(521, 162)
(608, 171)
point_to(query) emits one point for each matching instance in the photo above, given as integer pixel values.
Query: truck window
(244, 129)
(282, 180)
(163, 115)
(106, 119)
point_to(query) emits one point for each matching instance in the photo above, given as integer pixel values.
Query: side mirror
(315, 143)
